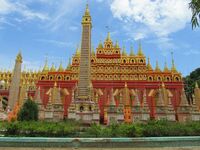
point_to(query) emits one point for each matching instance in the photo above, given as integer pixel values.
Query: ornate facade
(108, 84)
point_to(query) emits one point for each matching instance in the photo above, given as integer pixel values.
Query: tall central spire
(84, 77)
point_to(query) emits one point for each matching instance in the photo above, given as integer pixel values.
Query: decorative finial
(117, 44)
(163, 85)
(108, 37)
(124, 51)
(53, 68)
(69, 64)
(100, 44)
(166, 68)
(140, 52)
(46, 67)
(93, 52)
(60, 69)
(173, 69)
(149, 67)
(87, 11)
(55, 84)
(157, 67)
(125, 85)
(132, 51)
(19, 57)
(77, 50)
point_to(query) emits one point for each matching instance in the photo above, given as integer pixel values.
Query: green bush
(70, 128)
(94, 131)
(28, 112)
(12, 128)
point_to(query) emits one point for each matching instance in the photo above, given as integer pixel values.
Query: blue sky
(52, 29)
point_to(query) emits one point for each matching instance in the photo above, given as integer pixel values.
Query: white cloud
(63, 10)
(164, 44)
(56, 42)
(5, 6)
(8, 7)
(161, 17)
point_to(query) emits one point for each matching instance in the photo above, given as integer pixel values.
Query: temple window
(90, 108)
(108, 46)
(81, 108)
(141, 61)
(124, 61)
(42, 78)
(92, 60)
(116, 52)
(159, 78)
(168, 79)
(150, 78)
(177, 78)
(59, 78)
(51, 78)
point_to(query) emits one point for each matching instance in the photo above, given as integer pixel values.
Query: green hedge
(149, 129)
(41, 129)
(74, 129)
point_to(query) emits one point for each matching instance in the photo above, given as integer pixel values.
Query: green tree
(190, 81)
(195, 7)
(28, 112)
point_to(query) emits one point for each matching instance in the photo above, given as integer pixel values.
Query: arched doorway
(4, 102)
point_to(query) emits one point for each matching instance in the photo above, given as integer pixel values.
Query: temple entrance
(4, 102)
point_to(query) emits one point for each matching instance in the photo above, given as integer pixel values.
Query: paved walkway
(163, 148)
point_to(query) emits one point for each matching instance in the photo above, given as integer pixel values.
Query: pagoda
(103, 85)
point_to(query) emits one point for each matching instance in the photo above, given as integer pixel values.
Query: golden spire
(100, 45)
(163, 85)
(19, 57)
(140, 52)
(46, 67)
(108, 37)
(93, 52)
(173, 69)
(86, 19)
(87, 11)
(60, 69)
(125, 85)
(78, 52)
(157, 67)
(132, 52)
(166, 68)
(117, 44)
(149, 67)
(69, 64)
(53, 68)
(124, 51)
(55, 84)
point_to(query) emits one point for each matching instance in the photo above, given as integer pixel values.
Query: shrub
(28, 112)
(127, 130)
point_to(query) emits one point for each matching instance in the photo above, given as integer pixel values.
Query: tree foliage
(195, 7)
(190, 81)
(28, 112)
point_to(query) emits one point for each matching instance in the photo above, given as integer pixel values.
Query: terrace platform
(147, 143)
